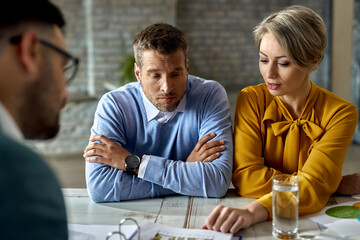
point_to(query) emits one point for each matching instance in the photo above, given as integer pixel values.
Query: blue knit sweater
(121, 116)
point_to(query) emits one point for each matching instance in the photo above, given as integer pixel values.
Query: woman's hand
(227, 219)
(349, 185)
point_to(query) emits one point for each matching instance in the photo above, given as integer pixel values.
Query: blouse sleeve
(251, 177)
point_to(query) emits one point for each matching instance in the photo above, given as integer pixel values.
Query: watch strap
(131, 171)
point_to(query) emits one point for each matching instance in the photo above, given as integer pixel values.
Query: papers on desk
(344, 227)
(97, 232)
(164, 232)
(148, 231)
(357, 196)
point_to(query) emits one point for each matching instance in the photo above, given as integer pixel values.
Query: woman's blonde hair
(300, 32)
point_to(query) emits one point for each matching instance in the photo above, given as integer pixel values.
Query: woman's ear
(317, 60)
(29, 52)
(316, 63)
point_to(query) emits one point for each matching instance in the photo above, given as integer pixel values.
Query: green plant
(126, 68)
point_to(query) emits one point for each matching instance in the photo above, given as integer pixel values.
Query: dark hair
(161, 37)
(13, 12)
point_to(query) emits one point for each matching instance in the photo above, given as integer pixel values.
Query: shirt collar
(8, 125)
(153, 113)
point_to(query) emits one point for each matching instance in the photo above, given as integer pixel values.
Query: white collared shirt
(8, 125)
(162, 117)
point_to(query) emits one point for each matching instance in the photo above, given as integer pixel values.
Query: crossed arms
(205, 171)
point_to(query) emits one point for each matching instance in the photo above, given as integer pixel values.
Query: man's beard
(163, 108)
(38, 117)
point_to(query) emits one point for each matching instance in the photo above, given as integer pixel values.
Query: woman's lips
(272, 86)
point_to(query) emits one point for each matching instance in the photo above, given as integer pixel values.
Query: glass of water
(285, 206)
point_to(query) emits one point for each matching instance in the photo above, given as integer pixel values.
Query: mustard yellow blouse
(269, 141)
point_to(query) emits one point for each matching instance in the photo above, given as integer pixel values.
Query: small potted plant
(126, 69)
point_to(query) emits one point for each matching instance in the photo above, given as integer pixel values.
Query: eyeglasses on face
(72, 65)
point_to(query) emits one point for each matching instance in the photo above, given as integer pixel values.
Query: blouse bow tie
(312, 130)
(292, 147)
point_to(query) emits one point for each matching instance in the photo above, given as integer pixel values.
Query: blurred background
(221, 48)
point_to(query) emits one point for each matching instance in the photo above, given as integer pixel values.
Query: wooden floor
(71, 169)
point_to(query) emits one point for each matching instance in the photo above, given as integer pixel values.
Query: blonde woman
(287, 124)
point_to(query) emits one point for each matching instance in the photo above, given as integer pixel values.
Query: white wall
(341, 47)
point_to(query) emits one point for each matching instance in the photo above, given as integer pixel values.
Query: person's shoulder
(259, 92)
(123, 93)
(198, 82)
(259, 89)
(331, 99)
(18, 160)
(204, 88)
(333, 107)
(255, 95)
(33, 196)
(11, 148)
(129, 88)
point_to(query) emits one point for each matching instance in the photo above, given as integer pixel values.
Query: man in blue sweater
(167, 133)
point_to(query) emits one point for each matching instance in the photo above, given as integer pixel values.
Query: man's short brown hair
(161, 37)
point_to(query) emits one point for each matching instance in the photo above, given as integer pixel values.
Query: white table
(176, 210)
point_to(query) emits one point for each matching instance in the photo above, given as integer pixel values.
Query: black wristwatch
(132, 162)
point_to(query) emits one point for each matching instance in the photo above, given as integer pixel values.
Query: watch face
(132, 161)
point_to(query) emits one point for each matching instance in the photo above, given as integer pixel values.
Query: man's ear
(137, 72)
(30, 52)
(187, 66)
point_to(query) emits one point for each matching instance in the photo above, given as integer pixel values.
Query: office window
(356, 64)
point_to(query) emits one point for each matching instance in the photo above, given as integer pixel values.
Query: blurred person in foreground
(33, 61)
(288, 124)
(167, 133)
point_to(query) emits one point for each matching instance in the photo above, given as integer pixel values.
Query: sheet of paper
(346, 227)
(357, 196)
(340, 218)
(328, 234)
(97, 232)
(164, 232)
